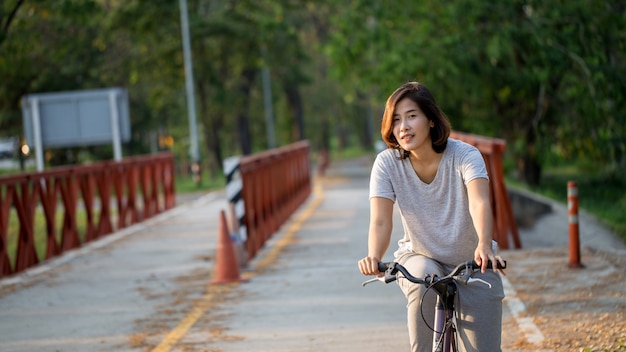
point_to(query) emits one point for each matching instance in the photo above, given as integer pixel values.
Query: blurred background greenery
(549, 77)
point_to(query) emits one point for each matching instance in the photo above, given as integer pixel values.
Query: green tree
(546, 76)
(523, 70)
(7, 15)
(46, 51)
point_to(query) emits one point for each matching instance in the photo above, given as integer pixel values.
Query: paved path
(147, 288)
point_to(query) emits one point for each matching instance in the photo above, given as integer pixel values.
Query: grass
(182, 185)
(10, 172)
(600, 195)
(350, 153)
(39, 231)
(186, 184)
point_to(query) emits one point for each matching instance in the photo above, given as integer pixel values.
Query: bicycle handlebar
(465, 270)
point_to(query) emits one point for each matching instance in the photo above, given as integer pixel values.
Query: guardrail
(492, 150)
(74, 205)
(274, 184)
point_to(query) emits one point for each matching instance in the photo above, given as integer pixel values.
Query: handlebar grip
(490, 265)
(382, 267)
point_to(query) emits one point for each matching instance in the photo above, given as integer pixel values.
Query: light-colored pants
(478, 308)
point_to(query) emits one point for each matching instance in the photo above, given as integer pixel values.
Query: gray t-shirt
(435, 216)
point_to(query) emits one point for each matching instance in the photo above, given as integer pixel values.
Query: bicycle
(444, 328)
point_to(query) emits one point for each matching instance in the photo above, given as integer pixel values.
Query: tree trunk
(528, 164)
(211, 134)
(245, 139)
(294, 102)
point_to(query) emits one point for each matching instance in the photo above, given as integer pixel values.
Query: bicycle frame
(444, 338)
(444, 335)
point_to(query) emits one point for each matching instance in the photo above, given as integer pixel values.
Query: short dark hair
(424, 99)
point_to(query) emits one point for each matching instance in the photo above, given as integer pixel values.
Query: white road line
(517, 308)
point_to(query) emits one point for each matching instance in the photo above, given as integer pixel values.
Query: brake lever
(467, 279)
(387, 278)
(478, 281)
(381, 279)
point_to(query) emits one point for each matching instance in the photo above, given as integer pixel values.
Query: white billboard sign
(76, 118)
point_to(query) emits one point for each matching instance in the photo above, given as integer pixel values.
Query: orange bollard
(574, 238)
(226, 265)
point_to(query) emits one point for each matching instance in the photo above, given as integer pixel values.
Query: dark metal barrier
(89, 201)
(492, 150)
(275, 183)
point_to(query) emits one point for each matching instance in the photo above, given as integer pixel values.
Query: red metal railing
(492, 150)
(275, 183)
(105, 196)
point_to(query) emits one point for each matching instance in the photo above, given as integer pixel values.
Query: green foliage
(547, 76)
(603, 196)
(549, 79)
(49, 46)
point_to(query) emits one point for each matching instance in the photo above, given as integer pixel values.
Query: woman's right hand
(369, 266)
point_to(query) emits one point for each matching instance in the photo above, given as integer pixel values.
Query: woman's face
(411, 127)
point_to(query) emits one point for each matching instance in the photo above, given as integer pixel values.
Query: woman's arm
(381, 223)
(482, 217)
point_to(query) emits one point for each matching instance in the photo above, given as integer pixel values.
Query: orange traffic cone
(226, 266)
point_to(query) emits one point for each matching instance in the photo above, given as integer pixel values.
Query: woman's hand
(484, 254)
(369, 266)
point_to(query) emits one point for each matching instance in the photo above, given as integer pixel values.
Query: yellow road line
(174, 336)
(186, 323)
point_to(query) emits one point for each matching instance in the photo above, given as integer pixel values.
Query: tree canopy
(547, 76)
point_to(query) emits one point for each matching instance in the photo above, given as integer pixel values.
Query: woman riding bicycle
(441, 188)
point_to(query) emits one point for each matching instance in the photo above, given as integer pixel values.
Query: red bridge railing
(492, 150)
(275, 183)
(78, 204)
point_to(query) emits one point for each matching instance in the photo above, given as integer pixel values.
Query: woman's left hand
(484, 254)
